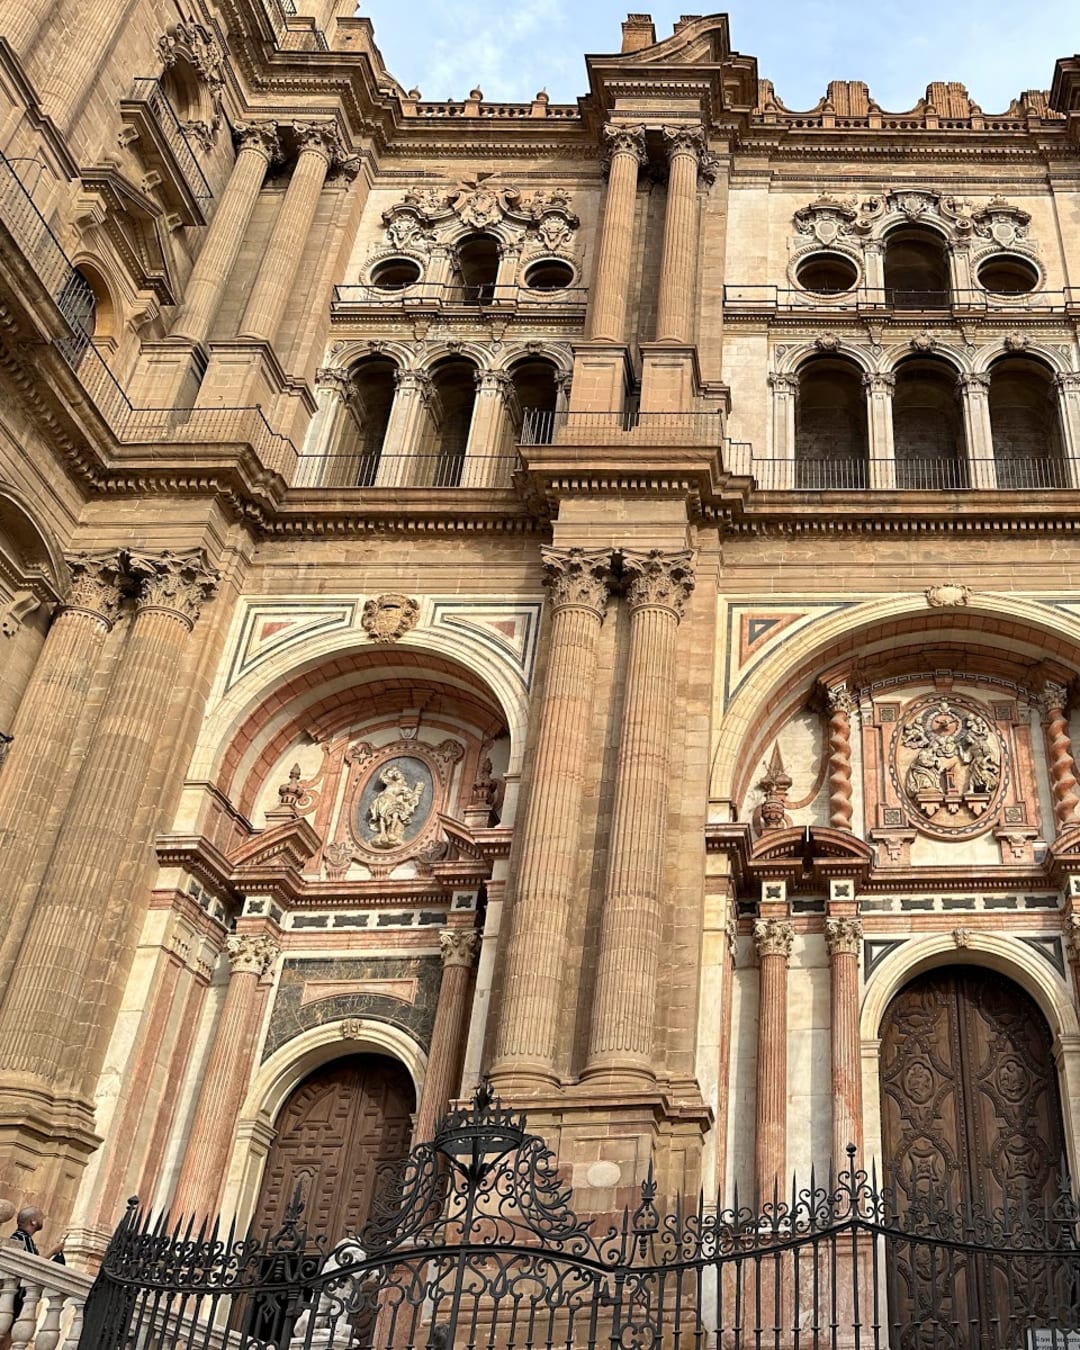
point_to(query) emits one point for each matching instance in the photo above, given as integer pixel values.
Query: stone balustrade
(52, 1309)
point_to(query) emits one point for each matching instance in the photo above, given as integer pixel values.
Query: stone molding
(843, 937)
(174, 583)
(578, 577)
(458, 946)
(659, 580)
(251, 953)
(774, 937)
(95, 585)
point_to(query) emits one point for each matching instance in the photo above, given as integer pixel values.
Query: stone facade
(585, 594)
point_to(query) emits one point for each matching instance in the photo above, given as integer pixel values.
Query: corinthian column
(626, 151)
(624, 1001)
(547, 876)
(1059, 754)
(773, 939)
(74, 958)
(843, 937)
(43, 730)
(674, 319)
(840, 707)
(448, 1034)
(257, 144)
(410, 416)
(202, 1173)
(274, 283)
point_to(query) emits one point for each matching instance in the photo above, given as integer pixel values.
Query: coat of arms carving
(389, 617)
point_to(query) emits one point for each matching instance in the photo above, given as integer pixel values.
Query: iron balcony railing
(766, 299)
(374, 469)
(915, 475)
(420, 293)
(642, 428)
(148, 110)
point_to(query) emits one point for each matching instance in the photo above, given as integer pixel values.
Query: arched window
(830, 426)
(537, 397)
(368, 416)
(916, 269)
(928, 431)
(478, 263)
(453, 393)
(1025, 425)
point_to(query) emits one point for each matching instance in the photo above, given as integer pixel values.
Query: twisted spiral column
(532, 989)
(840, 707)
(1063, 782)
(773, 939)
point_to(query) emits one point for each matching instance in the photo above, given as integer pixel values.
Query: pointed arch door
(334, 1133)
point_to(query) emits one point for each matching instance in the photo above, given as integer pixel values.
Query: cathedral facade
(582, 595)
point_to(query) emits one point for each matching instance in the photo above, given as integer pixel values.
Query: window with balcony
(364, 434)
(916, 269)
(1025, 425)
(537, 397)
(478, 266)
(453, 394)
(831, 449)
(928, 431)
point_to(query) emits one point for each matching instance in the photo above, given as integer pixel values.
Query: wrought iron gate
(473, 1244)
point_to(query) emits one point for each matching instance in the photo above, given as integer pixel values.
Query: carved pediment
(135, 225)
(283, 847)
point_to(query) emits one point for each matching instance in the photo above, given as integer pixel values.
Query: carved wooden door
(333, 1134)
(970, 1117)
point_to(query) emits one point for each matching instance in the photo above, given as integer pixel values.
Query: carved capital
(95, 585)
(1070, 930)
(176, 583)
(412, 383)
(1053, 698)
(786, 386)
(337, 380)
(684, 141)
(251, 953)
(1068, 382)
(624, 140)
(879, 382)
(976, 384)
(261, 137)
(493, 382)
(458, 946)
(840, 699)
(578, 577)
(659, 580)
(317, 138)
(774, 937)
(843, 937)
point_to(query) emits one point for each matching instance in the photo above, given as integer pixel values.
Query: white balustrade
(52, 1310)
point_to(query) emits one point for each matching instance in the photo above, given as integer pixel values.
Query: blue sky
(512, 48)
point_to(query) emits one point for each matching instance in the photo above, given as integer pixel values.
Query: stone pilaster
(843, 937)
(879, 387)
(1059, 754)
(974, 391)
(257, 145)
(773, 939)
(624, 1001)
(273, 284)
(1067, 388)
(73, 962)
(202, 1173)
(410, 417)
(674, 312)
(459, 947)
(840, 705)
(626, 155)
(491, 430)
(43, 730)
(785, 396)
(547, 876)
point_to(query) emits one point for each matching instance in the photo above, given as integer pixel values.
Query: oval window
(827, 273)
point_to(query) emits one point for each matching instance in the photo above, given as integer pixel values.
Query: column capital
(493, 382)
(251, 953)
(774, 937)
(95, 585)
(317, 138)
(976, 382)
(259, 136)
(176, 583)
(458, 946)
(843, 937)
(1070, 931)
(840, 699)
(1067, 382)
(578, 577)
(684, 140)
(410, 382)
(659, 580)
(1053, 697)
(624, 140)
(879, 382)
(784, 385)
(336, 380)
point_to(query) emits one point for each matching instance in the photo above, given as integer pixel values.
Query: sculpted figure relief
(953, 761)
(393, 808)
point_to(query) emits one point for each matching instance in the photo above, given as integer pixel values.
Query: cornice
(323, 513)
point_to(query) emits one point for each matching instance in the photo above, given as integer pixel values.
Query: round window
(550, 274)
(827, 273)
(1008, 276)
(394, 274)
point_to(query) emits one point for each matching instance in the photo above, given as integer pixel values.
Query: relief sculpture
(950, 759)
(393, 808)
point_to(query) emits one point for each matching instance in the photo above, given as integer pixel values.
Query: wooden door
(970, 1117)
(334, 1133)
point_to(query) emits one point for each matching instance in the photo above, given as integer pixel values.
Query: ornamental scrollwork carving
(827, 219)
(947, 595)
(774, 937)
(949, 762)
(577, 577)
(95, 585)
(389, 617)
(457, 946)
(176, 583)
(251, 953)
(658, 579)
(425, 217)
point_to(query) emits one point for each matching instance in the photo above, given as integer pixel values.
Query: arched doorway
(971, 1125)
(335, 1132)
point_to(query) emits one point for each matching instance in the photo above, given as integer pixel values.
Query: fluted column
(785, 394)
(879, 388)
(624, 1000)
(674, 316)
(257, 145)
(83, 927)
(974, 393)
(840, 706)
(274, 282)
(547, 878)
(42, 732)
(1067, 388)
(23, 22)
(410, 417)
(843, 937)
(490, 431)
(773, 939)
(626, 152)
(206, 1157)
(459, 948)
(1059, 754)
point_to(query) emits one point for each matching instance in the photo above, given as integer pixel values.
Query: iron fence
(473, 1243)
(858, 474)
(420, 293)
(540, 427)
(765, 298)
(374, 469)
